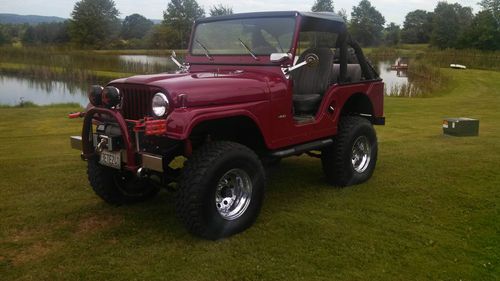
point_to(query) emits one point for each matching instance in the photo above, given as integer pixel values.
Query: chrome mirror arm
(310, 59)
(297, 66)
(289, 69)
(182, 67)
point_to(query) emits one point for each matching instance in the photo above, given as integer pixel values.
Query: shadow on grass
(294, 181)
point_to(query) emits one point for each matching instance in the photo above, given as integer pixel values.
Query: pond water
(15, 90)
(393, 79)
(146, 59)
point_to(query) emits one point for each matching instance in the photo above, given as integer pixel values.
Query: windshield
(255, 36)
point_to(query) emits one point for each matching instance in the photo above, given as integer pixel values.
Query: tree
(343, 14)
(49, 33)
(3, 37)
(493, 6)
(483, 33)
(367, 24)
(220, 10)
(162, 37)
(29, 36)
(322, 6)
(94, 22)
(417, 27)
(179, 16)
(449, 22)
(392, 34)
(135, 26)
(62, 32)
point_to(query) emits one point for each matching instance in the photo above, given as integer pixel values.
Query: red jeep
(254, 88)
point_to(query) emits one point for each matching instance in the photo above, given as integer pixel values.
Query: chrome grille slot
(136, 100)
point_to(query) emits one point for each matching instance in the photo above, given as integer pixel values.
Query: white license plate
(111, 159)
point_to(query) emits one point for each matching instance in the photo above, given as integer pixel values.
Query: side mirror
(280, 57)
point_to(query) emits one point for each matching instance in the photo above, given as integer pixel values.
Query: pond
(422, 81)
(393, 79)
(146, 59)
(14, 90)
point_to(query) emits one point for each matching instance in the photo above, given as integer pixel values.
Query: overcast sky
(392, 10)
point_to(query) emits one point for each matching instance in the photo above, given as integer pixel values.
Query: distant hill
(29, 19)
(34, 19)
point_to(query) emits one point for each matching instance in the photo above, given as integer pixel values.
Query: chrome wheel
(361, 154)
(233, 194)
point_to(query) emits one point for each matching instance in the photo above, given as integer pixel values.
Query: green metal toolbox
(461, 127)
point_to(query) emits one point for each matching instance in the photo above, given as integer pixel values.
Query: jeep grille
(136, 100)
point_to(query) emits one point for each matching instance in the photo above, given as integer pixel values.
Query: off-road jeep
(254, 88)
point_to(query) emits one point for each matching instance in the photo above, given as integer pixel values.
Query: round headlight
(111, 96)
(95, 95)
(160, 105)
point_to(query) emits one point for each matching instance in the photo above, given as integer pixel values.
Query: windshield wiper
(248, 49)
(207, 53)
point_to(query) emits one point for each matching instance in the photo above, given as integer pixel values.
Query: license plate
(111, 159)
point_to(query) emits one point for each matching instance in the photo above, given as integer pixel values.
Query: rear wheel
(117, 187)
(352, 157)
(221, 190)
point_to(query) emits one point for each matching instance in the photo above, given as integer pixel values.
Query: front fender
(181, 121)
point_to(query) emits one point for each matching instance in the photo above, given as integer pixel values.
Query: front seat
(310, 82)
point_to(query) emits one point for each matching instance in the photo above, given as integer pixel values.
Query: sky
(392, 10)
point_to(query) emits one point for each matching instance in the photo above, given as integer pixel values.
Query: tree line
(96, 24)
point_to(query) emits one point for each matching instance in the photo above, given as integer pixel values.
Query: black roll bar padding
(343, 57)
(369, 75)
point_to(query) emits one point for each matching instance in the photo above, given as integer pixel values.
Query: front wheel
(221, 190)
(352, 157)
(117, 187)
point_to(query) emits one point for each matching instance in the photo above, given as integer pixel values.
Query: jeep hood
(208, 87)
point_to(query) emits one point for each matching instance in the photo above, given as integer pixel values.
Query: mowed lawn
(430, 212)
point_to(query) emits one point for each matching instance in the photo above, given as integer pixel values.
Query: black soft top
(311, 21)
(327, 16)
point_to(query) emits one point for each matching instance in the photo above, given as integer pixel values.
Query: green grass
(430, 212)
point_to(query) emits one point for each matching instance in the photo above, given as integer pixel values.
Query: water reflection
(398, 81)
(392, 78)
(14, 90)
(146, 59)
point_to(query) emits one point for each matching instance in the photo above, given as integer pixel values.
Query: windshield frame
(295, 18)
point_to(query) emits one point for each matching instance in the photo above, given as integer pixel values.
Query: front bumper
(149, 161)
(130, 154)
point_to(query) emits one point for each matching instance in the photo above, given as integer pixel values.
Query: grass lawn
(430, 212)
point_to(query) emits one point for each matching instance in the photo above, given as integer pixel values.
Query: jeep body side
(254, 88)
